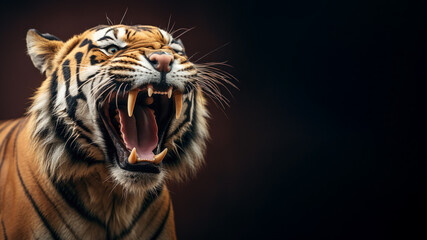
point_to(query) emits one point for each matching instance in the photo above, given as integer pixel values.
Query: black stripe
(54, 206)
(4, 230)
(87, 42)
(162, 225)
(93, 60)
(143, 28)
(147, 203)
(126, 62)
(78, 56)
(121, 68)
(105, 38)
(66, 73)
(80, 123)
(119, 76)
(5, 142)
(27, 193)
(71, 197)
(132, 57)
(53, 88)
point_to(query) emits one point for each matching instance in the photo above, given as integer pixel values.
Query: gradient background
(325, 138)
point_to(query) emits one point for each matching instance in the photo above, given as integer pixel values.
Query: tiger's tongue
(139, 131)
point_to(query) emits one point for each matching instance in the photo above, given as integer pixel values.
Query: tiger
(122, 111)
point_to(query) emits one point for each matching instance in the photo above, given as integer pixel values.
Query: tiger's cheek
(180, 126)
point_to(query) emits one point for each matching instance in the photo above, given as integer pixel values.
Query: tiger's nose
(161, 61)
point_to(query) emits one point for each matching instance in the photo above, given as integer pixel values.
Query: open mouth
(137, 122)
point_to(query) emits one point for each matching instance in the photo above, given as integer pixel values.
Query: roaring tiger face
(119, 102)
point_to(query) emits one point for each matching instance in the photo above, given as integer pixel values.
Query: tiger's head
(121, 103)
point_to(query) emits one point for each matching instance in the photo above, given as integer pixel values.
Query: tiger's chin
(136, 123)
(135, 182)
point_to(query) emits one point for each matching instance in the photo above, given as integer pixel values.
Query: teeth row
(161, 93)
(133, 94)
(150, 91)
(156, 160)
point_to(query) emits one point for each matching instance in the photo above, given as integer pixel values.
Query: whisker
(107, 89)
(173, 25)
(179, 29)
(216, 49)
(169, 21)
(184, 32)
(189, 59)
(117, 96)
(100, 87)
(126, 11)
(109, 20)
(211, 79)
(124, 89)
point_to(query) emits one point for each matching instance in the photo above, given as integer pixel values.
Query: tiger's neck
(102, 209)
(118, 213)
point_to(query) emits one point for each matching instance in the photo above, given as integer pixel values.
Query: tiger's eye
(112, 49)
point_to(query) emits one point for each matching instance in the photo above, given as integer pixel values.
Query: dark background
(325, 138)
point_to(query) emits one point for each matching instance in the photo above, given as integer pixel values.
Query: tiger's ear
(42, 49)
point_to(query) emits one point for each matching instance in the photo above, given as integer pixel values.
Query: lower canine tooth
(178, 103)
(159, 157)
(132, 156)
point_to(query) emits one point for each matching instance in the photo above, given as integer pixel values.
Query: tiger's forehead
(123, 35)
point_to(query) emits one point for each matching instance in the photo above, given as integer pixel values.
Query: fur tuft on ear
(42, 49)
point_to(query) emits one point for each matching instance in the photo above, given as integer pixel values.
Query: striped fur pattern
(59, 173)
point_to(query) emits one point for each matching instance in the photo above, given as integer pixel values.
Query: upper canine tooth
(150, 90)
(178, 103)
(133, 94)
(170, 92)
(132, 156)
(159, 157)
